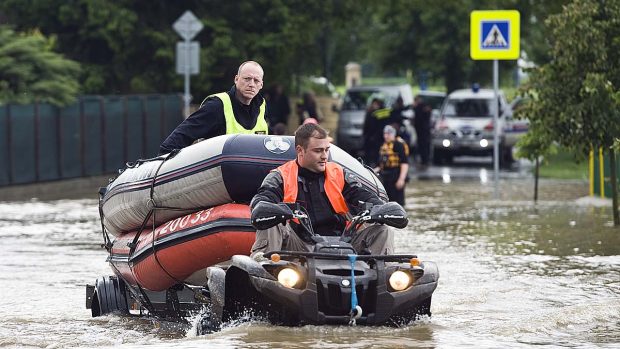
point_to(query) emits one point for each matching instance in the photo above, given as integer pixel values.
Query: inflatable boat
(182, 247)
(216, 171)
(182, 235)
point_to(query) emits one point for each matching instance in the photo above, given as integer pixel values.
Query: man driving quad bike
(329, 194)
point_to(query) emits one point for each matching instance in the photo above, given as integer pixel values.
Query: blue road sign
(495, 35)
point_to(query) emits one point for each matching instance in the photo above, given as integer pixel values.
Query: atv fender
(217, 289)
(251, 267)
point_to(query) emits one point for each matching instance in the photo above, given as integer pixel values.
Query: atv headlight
(400, 280)
(288, 277)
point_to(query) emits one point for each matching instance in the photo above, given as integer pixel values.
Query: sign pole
(186, 96)
(496, 129)
(495, 35)
(187, 26)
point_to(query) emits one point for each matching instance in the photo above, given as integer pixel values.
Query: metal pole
(495, 129)
(186, 96)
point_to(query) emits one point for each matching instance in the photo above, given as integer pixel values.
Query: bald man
(240, 110)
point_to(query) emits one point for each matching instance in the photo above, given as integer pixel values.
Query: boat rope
(152, 214)
(356, 310)
(153, 210)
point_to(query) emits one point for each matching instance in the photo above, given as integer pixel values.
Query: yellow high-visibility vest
(232, 126)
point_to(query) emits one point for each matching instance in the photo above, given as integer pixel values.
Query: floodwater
(513, 274)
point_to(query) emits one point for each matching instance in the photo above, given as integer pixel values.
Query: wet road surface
(513, 274)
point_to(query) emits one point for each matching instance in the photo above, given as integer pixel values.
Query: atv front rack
(401, 258)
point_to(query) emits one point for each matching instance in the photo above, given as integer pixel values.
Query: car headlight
(400, 280)
(288, 277)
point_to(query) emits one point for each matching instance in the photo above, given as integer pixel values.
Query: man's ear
(298, 149)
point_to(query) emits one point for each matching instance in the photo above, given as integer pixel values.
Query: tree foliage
(30, 71)
(128, 46)
(575, 98)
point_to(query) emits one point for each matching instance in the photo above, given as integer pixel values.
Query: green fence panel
(70, 142)
(135, 128)
(48, 142)
(22, 144)
(606, 192)
(93, 130)
(114, 125)
(154, 124)
(173, 110)
(5, 166)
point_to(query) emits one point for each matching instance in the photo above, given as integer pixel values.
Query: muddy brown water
(513, 274)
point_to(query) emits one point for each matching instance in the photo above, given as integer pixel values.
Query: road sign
(187, 25)
(494, 35)
(183, 48)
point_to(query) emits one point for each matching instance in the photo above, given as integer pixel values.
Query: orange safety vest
(334, 183)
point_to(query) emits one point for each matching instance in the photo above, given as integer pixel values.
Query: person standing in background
(422, 124)
(393, 165)
(377, 117)
(307, 107)
(278, 106)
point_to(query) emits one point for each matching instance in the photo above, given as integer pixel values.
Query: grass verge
(563, 166)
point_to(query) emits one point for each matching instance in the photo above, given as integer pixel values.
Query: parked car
(353, 110)
(514, 128)
(465, 126)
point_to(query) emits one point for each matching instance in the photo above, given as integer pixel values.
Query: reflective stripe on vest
(383, 113)
(334, 183)
(232, 126)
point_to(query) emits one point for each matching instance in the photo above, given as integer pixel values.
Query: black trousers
(389, 182)
(423, 132)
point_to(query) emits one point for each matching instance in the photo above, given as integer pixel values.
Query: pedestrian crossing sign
(494, 35)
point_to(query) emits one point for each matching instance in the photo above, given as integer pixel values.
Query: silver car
(465, 126)
(353, 110)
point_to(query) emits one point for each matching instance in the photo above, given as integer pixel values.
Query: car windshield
(468, 107)
(360, 99)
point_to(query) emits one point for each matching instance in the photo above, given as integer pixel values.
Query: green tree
(31, 72)
(576, 96)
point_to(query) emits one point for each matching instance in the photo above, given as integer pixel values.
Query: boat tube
(156, 260)
(213, 172)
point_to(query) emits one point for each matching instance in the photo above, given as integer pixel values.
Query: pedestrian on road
(393, 165)
(422, 124)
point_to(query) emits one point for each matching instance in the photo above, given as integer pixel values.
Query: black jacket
(209, 121)
(311, 195)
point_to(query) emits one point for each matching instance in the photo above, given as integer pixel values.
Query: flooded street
(512, 274)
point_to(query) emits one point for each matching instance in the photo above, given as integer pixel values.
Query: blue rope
(352, 259)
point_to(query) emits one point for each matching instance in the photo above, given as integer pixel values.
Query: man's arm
(271, 190)
(356, 194)
(206, 122)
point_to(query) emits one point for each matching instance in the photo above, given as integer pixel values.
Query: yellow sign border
(514, 22)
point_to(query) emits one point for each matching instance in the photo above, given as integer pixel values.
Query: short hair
(307, 131)
(248, 62)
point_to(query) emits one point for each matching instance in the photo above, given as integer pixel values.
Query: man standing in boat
(240, 110)
(328, 192)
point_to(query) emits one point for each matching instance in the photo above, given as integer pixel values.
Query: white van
(465, 126)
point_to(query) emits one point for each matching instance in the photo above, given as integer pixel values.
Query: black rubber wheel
(208, 323)
(110, 296)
